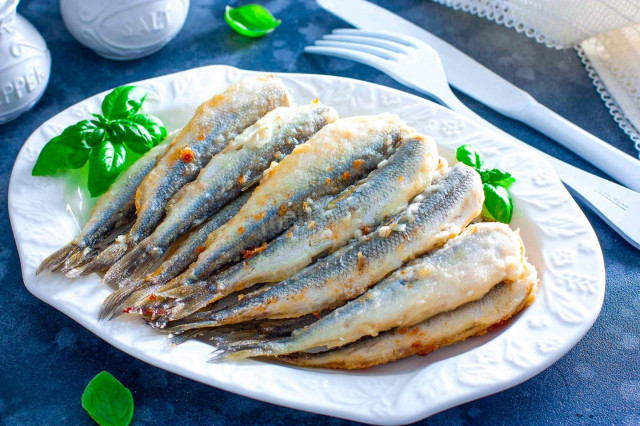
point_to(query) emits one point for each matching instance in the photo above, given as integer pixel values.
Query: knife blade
(487, 86)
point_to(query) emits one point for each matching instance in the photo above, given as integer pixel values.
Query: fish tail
(195, 321)
(131, 261)
(78, 260)
(245, 349)
(114, 305)
(219, 339)
(146, 300)
(185, 300)
(57, 259)
(179, 339)
(145, 269)
(104, 260)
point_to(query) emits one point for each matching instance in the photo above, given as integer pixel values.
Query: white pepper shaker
(124, 29)
(25, 63)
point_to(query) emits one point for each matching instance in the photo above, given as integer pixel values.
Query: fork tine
(373, 50)
(398, 38)
(362, 57)
(391, 45)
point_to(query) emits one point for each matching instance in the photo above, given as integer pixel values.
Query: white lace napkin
(606, 34)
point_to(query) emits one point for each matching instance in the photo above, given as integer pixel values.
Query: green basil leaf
(152, 124)
(106, 162)
(136, 137)
(94, 137)
(117, 131)
(497, 177)
(123, 102)
(56, 157)
(468, 155)
(251, 20)
(107, 401)
(100, 120)
(497, 203)
(82, 135)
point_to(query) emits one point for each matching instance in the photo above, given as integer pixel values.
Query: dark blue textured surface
(47, 359)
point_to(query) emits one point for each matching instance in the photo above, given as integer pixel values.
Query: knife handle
(620, 166)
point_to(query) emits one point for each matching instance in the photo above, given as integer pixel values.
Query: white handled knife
(484, 85)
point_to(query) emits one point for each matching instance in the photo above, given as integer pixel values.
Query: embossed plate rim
(562, 244)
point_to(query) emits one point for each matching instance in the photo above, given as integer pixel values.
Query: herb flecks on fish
(361, 206)
(291, 182)
(441, 213)
(219, 182)
(464, 270)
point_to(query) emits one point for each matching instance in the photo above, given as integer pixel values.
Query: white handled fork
(415, 64)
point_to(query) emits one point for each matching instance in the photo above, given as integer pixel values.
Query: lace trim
(611, 104)
(501, 14)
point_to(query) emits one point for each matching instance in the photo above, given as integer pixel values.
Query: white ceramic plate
(45, 214)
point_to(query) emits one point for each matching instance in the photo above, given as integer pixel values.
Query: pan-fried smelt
(462, 271)
(180, 255)
(215, 123)
(240, 164)
(384, 193)
(438, 214)
(335, 157)
(112, 210)
(472, 319)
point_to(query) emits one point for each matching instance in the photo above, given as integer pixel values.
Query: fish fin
(179, 339)
(145, 269)
(250, 183)
(105, 259)
(114, 305)
(195, 321)
(182, 301)
(78, 260)
(54, 261)
(75, 268)
(131, 261)
(242, 350)
(74, 272)
(219, 339)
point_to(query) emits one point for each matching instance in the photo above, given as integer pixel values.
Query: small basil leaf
(497, 203)
(152, 124)
(468, 155)
(497, 177)
(100, 119)
(106, 161)
(107, 401)
(56, 157)
(136, 137)
(94, 137)
(117, 131)
(251, 20)
(78, 135)
(123, 102)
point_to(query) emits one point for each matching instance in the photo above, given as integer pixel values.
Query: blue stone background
(47, 359)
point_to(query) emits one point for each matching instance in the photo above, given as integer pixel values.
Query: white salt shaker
(124, 29)
(25, 63)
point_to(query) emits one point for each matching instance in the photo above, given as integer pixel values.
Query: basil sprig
(498, 204)
(103, 141)
(251, 20)
(107, 401)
